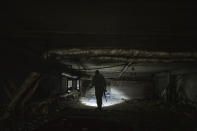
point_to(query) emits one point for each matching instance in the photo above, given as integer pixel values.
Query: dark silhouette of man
(100, 87)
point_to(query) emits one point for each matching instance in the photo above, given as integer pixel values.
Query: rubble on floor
(67, 112)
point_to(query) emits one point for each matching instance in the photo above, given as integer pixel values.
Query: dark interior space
(145, 50)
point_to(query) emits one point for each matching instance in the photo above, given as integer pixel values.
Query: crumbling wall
(130, 89)
(176, 87)
(9, 84)
(161, 83)
(187, 87)
(134, 89)
(85, 86)
(49, 86)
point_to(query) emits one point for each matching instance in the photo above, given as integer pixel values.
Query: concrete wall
(9, 79)
(128, 89)
(187, 87)
(182, 88)
(133, 89)
(161, 84)
(84, 87)
(49, 86)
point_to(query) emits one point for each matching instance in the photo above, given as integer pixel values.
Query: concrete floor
(131, 115)
(127, 115)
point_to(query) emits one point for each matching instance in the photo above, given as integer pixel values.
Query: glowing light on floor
(114, 98)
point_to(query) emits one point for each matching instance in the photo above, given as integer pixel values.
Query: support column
(74, 84)
(171, 92)
(64, 84)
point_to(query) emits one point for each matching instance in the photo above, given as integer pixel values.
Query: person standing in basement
(99, 83)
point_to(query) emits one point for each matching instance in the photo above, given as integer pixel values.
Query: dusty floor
(146, 115)
(130, 115)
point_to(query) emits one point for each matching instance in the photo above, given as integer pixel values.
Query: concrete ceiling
(164, 33)
(116, 63)
(121, 24)
(143, 17)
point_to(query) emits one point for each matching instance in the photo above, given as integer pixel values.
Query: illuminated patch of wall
(112, 98)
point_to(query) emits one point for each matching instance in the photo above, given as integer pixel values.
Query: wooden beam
(31, 92)
(26, 84)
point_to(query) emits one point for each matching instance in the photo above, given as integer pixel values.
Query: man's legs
(99, 101)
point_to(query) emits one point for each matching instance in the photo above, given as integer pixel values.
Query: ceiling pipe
(124, 69)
